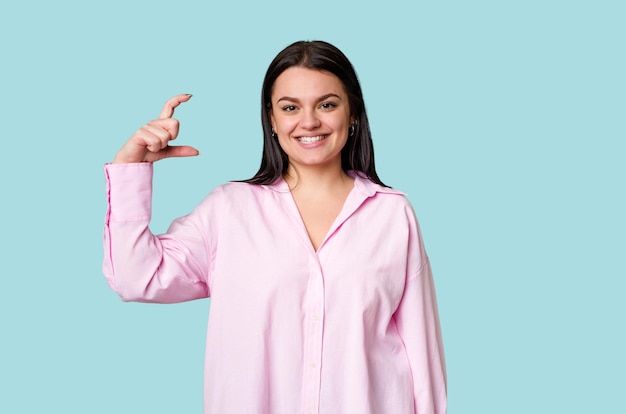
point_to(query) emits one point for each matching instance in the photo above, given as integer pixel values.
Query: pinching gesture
(151, 142)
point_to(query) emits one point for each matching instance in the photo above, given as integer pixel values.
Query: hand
(151, 142)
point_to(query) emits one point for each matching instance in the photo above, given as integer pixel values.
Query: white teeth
(309, 140)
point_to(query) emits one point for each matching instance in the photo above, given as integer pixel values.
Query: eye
(289, 108)
(328, 105)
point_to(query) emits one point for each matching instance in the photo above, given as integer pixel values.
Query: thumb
(180, 151)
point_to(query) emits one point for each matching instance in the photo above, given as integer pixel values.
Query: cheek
(286, 144)
(285, 125)
(343, 121)
(341, 125)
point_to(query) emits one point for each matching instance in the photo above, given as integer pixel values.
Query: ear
(271, 113)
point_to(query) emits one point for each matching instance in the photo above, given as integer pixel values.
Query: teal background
(504, 121)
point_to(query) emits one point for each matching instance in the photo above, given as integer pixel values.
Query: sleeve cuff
(129, 191)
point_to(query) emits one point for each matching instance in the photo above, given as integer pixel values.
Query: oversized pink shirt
(351, 328)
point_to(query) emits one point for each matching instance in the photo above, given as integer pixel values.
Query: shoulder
(387, 201)
(232, 201)
(242, 190)
(239, 194)
(378, 192)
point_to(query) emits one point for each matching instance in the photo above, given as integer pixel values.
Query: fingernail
(189, 95)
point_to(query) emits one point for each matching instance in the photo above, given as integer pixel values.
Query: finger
(157, 134)
(153, 138)
(181, 151)
(168, 125)
(150, 143)
(170, 105)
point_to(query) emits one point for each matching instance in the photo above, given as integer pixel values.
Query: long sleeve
(418, 323)
(139, 265)
(417, 320)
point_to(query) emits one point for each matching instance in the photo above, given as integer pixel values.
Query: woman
(322, 298)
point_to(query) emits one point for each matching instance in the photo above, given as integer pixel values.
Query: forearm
(139, 265)
(418, 323)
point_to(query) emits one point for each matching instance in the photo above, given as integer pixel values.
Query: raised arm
(139, 265)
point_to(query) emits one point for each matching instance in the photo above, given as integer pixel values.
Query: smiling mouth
(310, 140)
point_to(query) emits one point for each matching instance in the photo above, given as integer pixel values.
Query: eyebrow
(321, 98)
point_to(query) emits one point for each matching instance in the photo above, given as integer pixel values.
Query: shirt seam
(419, 270)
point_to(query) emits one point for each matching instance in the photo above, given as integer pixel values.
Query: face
(311, 115)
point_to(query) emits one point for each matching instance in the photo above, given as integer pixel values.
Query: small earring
(274, 134)
(351, 129)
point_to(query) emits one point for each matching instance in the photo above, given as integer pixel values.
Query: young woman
(322, 297)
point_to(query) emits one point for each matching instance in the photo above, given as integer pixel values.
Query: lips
(310, 140)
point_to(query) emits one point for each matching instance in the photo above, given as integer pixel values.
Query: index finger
(170, 105)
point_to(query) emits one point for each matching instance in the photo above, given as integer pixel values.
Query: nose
(309, 119)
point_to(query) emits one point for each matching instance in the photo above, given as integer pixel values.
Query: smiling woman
(310, 115)
(323, 299)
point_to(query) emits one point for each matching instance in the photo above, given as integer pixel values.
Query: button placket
(314, 339)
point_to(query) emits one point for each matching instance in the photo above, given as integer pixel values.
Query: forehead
(304, 82)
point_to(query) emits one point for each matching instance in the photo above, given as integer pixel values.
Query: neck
(316, 178)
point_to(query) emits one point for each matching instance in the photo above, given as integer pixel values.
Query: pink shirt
(352, 328)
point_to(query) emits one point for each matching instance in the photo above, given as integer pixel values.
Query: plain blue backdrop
(504, 121)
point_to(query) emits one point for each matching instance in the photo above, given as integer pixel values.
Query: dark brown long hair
(358, 153)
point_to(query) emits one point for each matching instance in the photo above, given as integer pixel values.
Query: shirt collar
(368, 187)
(361, 184)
